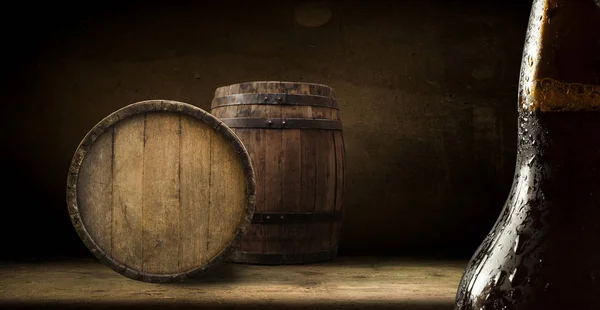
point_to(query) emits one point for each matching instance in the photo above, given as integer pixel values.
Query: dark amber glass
(544, 250)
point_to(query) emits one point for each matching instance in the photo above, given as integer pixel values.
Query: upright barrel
(160, 190)
(293, 133)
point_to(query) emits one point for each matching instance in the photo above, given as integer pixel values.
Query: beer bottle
(544, 250)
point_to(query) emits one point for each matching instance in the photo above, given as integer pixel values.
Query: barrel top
(101, 141)
(275, 92)
(300, 88)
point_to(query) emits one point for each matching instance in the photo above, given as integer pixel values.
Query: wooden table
(345, 283)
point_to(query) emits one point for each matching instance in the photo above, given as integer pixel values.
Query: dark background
(427, 89)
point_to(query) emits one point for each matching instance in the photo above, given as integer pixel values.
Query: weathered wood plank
(322, 113)
(339, 183)
(291, 174)
(308, 188)
(226, 206)
(194, 178)
(324, 185)
(127, 200)
(325, 178)
(253, 238)
(345, 283)
(161, 193)
(309, 157)
(273, 185)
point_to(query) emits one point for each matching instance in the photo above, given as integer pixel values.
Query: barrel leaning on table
(294, 136)
(160, 190)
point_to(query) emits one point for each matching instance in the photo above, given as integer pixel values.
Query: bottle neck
(560, 69)
(563, 146)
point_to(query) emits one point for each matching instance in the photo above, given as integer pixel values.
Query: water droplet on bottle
(518, 275)
(539, 264)
(515, 294)
(500, 277)
(519, 244)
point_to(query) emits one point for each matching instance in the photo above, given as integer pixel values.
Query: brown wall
(427, 92)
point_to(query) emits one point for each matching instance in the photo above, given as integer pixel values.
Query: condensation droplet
(539, 264)
(518, 275)
(500, 277)
(519, 244)
(530, 60)
(515, 294)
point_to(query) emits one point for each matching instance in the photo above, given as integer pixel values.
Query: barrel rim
(159, 105)
(282, 82)
(278, 81)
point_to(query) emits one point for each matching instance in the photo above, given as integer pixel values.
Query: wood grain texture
(196, 144)
(161, 193)
(127, 204)
(255, 238)
(297, 171)
(291, 177)
(357, 283)
(160, 218)
(225, 205)
(273, 185)
(340, 183)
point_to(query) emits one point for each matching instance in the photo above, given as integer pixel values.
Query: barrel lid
(275, 92)
(160, 191)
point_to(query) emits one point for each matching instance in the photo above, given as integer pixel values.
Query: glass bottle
(544, 250)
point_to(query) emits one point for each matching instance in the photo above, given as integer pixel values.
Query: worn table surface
(345, 283)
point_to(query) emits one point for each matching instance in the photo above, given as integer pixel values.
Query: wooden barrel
(160, 190)
(294, 136)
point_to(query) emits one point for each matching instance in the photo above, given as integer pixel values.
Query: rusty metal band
(280, 259)
(282, 123)
(275, 98)
(278, 218)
